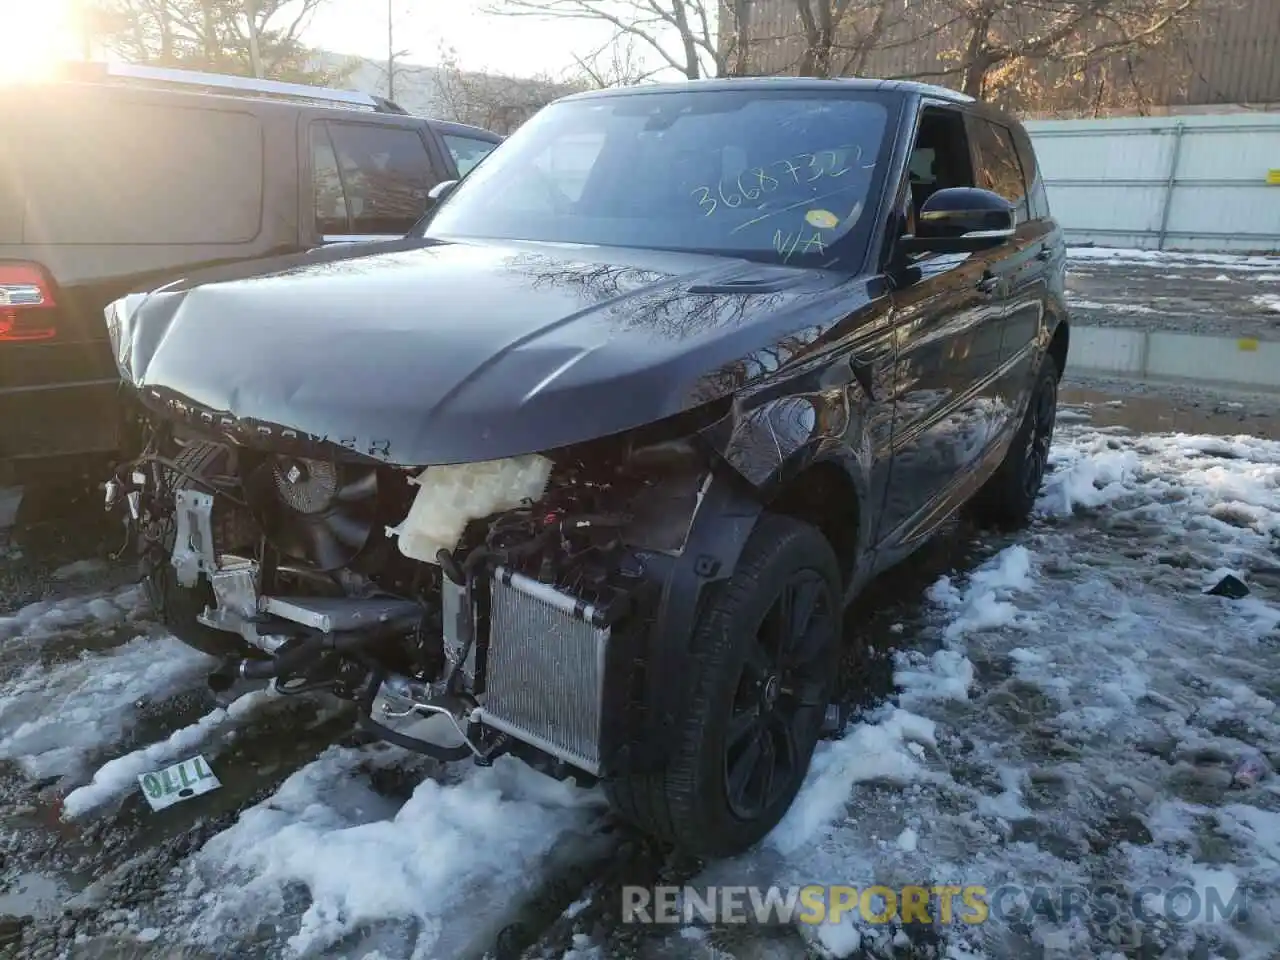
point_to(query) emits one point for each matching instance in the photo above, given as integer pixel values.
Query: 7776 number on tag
(181, 781)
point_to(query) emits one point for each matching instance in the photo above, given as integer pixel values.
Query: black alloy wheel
(1041, 418)
(781, 697)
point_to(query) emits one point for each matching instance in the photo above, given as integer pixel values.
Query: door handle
(989, 283)
(851, 369)
(864, 373)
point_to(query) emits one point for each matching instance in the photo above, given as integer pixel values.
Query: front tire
(1008, 497)
(764, 659)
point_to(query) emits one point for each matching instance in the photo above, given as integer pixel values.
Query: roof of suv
(191, 86)
(784, 83)
(124, 78)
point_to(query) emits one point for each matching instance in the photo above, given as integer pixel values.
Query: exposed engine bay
(469, 610)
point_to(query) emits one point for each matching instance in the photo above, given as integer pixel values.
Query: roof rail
(225, 83)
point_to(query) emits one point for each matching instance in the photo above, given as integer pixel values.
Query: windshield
(782, 176)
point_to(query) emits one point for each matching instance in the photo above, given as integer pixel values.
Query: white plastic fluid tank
(450, 497)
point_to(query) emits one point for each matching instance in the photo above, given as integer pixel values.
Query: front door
(947, 324)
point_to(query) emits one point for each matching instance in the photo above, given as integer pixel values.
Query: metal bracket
(193, 543)
(397, 700)
(235, 587)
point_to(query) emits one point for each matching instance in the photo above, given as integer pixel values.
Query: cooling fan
(315, 510)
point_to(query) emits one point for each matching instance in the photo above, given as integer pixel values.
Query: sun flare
(34, 36)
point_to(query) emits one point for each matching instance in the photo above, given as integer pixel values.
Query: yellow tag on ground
(1247, 344)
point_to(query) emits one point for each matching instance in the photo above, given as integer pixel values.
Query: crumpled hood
(432, 352)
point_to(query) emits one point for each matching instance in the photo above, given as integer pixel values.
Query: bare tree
(492, 101)
(839, 35)
(613, 65)
(229, 36)
(735, 37)
(1000, 42)
(681, 33)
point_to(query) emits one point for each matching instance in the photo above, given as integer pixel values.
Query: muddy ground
(1176, 292)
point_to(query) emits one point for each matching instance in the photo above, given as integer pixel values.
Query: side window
(330, 201)
(998, 168)
(940, 156)
(467, 151)
(1031, 170)
(386, 174)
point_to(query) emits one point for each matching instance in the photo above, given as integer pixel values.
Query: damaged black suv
(588, 466)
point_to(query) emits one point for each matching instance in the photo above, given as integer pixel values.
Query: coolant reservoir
(451, 497)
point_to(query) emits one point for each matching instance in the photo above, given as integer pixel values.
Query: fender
(853, 465)
(724, 519)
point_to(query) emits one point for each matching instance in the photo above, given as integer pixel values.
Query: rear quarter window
(999, 168)
(467, 151)
(1031, 170)
(111, 172)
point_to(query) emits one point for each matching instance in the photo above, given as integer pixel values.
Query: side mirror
(961, 220)
(440, 191)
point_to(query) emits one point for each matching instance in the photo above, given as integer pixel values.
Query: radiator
(544, 682)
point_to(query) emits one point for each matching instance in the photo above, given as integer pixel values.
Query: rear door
(368, 180)
(1046, 236)
(1024, 266)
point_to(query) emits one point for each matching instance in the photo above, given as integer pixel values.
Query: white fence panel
(1165, 183)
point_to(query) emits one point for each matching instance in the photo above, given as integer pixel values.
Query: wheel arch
(820, 489)
(817, 485)
(1059, 344)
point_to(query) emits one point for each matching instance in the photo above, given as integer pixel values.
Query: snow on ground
(1135, 308)
(1174, 260)
(1071, 711)
(117, 777)
(439, 876)
(1268, 301)
(53, 717)
(49, 618)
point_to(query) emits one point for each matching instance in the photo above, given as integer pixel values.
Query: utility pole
(83, 20)
(255, 56)
(391, 52)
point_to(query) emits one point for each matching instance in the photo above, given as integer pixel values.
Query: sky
(511, 45)
(35, 31)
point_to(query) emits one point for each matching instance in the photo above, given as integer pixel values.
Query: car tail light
(28, 310)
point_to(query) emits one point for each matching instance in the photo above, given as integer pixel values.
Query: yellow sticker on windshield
(822, 219)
